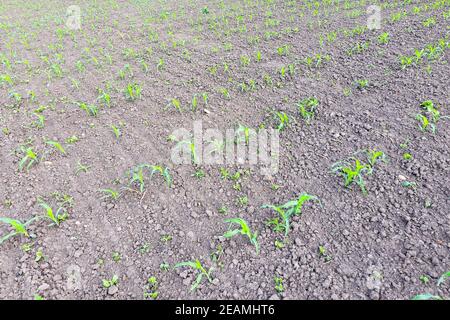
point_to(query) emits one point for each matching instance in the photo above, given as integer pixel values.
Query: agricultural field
(120, 125)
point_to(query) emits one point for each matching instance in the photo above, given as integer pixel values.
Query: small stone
(113, 290)
(43, 287)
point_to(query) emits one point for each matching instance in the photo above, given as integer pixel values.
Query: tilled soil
(392, 243)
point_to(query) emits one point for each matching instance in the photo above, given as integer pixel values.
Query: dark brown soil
(392, 243)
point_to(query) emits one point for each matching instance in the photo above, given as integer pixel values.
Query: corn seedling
(362, 83)
(443, 278)
(406, 61)
(39, 255)
(107, 283)
(199, 269)
(188, 145)
(352, 173)
(110, 194)
(278, 284)
(307, 108)
(427, 296)
(225, 93)
(431, 109)
(116, 131)
(151, 289)
(104, 97)
(383, 38)
(244, 230)
(174, 103)
(81, 168)
(282, 119)
(287, 211)
(29, 158)
(133, 91)
(425, 124)
(194, 103)
(243, 134)
(164, 172)
(56, 145)
(137, 175)
(19, 228)
(116, 256)
(40, 122)
(374, 156)
(90, 109)
(56, 218)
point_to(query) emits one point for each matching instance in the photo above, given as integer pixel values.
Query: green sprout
(90, 109)
(56, 145)
(107, 283)
(174, 103)
(374, 155)
(426, 296)
(133, 91)
(29, 157)
(56, 218)
(287, 211)
(151, 289)
(244, 230)
(443, 278)
(352, 173)
(283, 120)
(116, 131)
(307, 108)
(110, 194)
(199, 269)
(137, 175)
(278, 284)
(19, 228)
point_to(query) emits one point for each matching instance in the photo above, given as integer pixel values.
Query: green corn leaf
(186, 264)
(18, 226)
(49, 212)
(443, 278)
(57, 145)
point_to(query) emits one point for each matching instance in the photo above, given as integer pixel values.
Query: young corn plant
(164, 172)
(429, 116)
(282, 120)
(107, 283)
(175, 103)
(133, 91)
(110, 194)
(56, 217)
(243, 134)
(151, 289)
(104, 97)
(90, 109)
(374, 156)
(137, 175)
(307, 108)
(425, 124)
(29, 158)
(116, 131)
(56, 145)
(244, 230)
(199, 269)
(189, 147)
(352, 173)
(19, 228)
(287, 211)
